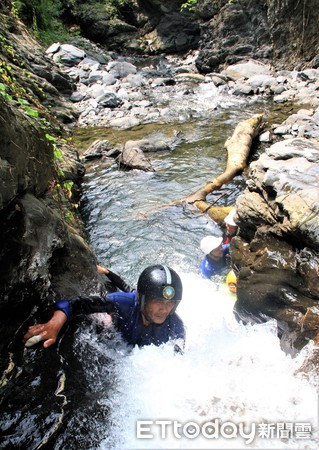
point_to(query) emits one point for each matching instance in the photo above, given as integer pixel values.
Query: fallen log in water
(238, 149)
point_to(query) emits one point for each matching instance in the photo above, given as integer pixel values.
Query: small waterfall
(232, 388)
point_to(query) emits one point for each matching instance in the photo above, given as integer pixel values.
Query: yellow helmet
(231, 281)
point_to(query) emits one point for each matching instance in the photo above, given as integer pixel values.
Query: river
(234, 387)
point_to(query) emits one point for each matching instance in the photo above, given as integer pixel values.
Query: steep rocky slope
(42, 251)
(282, 33)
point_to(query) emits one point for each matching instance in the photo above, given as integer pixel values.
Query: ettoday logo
(215, 429)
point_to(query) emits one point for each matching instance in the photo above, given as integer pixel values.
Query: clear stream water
(234, 387)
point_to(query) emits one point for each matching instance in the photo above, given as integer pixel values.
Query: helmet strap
(142, 302)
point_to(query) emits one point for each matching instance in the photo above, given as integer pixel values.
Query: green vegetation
(10, 88)
(4, 92)
(13, 92)
(189, 5)
(106, 8)
(47, 18)
(44, 18)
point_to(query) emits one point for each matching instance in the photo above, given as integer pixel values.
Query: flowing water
(233, 387)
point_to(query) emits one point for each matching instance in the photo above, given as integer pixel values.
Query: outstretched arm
(115, 279)
(47, 332)
(65, 310)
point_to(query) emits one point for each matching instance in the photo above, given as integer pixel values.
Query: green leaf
(49, 137)
(58, 154)
(31, 112)
(22, 101)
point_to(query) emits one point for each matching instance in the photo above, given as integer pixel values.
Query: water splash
(230, 375)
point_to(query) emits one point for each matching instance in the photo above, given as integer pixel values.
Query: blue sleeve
(64, 306)
(206, 269)
(123, 302)
(90, 304)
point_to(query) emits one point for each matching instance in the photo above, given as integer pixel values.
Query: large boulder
(150, 26)
(236, 31)
(281, 33)
(132, 157)
(26, 162)
(277, 250)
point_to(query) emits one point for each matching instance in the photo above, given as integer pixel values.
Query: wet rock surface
(143, 27)
(41, 240)
(277, 251)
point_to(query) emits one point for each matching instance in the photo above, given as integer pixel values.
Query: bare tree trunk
(238, 149)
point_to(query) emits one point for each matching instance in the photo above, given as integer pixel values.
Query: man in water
(143, 316)
(215, 253)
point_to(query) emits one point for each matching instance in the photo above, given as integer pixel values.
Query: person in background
(143, 316)
(215, 253)
(231, 228)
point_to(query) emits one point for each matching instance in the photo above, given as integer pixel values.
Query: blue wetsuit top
(129, 322)
(210, 267)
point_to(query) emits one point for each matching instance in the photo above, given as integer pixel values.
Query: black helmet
(159, 282)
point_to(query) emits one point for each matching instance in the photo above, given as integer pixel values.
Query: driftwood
(238, 149)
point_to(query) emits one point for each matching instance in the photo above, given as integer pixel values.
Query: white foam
(230, 372)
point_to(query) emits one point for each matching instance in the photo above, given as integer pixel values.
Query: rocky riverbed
(121, 92)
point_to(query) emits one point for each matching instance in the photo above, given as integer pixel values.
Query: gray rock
(246, 70)
(265, 137)
(109, 100)
(277, 252)
(69, 55)
(95, 75)
(261, 80)
(124, 122)
(108, 79)
(282, 129)
(146, 145)
(77, 97)
(53, 48)
(279, 90)
(99, 149)
(243, 89)
(95, 91)
(121, 69)
(89, 64)
(132, 157)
